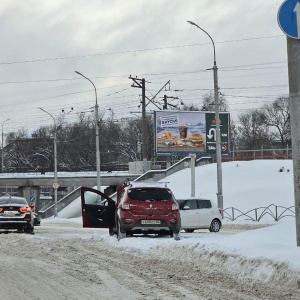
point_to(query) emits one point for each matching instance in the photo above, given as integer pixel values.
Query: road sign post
(193, 175)
(32, 202)
(55, 185)
(289, 22)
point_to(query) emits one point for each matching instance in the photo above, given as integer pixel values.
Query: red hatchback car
(141, 208)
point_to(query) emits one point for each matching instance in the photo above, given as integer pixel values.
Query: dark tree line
(119, 139)
(76, 148)
(267, 127)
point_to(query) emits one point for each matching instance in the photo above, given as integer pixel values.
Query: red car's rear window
(149, 194)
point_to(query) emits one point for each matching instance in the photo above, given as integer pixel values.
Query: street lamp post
(3, 145)
(218, 133)
(97, 135)
(55, 163)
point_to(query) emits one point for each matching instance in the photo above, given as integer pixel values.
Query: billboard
(183, 132)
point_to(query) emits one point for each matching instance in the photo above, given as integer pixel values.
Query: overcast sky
(44, 42)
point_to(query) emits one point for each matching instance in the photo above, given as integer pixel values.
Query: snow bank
(246, 184)
(265, 254)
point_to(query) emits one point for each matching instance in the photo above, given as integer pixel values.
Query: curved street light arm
(5, 122)
(49, 115)
(90, 82)
(192, 23)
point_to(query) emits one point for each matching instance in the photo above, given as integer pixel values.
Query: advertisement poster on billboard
(182, 132)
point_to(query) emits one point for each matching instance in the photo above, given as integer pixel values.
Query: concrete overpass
(64, 179)
(30, 184)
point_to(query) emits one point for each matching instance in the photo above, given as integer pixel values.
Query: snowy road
(65, 261)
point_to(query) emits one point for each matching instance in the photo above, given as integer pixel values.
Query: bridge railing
(184, 163)
(48, 210)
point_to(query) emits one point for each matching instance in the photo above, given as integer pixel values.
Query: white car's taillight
(125, 206)
(175, 206)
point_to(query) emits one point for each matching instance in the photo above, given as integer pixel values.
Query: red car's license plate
(150, 222)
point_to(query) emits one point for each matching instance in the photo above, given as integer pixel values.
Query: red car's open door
(98, 210)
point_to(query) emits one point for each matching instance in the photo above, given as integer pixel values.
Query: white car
(199, 214)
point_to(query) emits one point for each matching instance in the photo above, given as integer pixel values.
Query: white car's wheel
(189, 230)
(215, 226)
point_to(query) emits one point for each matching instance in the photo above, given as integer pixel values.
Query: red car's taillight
(1, 209)
(175, 206)
(125, 206)
(25, 209)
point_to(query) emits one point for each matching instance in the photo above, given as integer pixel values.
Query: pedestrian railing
(275, 211)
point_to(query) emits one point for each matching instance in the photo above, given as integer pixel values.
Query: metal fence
(238, 155)
(274, 153)
(275, 211)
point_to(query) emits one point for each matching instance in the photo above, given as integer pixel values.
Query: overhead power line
(171, 73)
(132, 51)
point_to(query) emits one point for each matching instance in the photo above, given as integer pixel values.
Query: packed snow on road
(245, 260)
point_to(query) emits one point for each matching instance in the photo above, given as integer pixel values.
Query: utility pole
(2, 151)
(218, 138)
(165, 107)
(289, 22)
(144, 126)
(97, 133)
(141, 84)
(217, 113)
(293, 49)
(55, 183)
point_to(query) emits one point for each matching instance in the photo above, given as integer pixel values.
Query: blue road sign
(289, 18)
(31, 199)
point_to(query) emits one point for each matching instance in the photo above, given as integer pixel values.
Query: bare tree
(191, 107)
(131, 134)
(208, 102)
(277, 117)
(17, 152)
(252, 132)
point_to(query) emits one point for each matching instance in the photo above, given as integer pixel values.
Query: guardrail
(48, 210)
(275, 211)
(184, 163)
